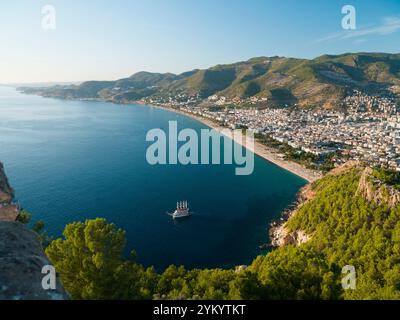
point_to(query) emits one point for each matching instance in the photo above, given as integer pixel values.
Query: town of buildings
(367, 130)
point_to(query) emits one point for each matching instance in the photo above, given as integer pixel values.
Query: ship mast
(181, 205)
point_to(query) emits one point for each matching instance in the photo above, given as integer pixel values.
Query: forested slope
(353, 218)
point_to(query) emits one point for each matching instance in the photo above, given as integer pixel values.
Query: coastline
(266, 153)
(260, 150)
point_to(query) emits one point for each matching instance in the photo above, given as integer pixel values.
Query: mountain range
(320, 82)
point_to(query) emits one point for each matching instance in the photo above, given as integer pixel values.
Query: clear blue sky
(99, 39)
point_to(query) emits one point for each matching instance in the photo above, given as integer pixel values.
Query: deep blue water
(70, 161)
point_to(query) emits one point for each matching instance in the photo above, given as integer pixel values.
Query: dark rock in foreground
(21, 262)
(21, 255)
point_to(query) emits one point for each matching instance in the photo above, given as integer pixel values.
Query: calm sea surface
(71, 161)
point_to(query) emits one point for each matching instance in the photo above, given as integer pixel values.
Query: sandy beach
(261, 150)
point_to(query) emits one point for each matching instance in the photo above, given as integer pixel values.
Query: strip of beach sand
(261, 150)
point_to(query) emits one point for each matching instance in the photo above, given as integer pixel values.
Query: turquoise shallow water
(70, 161)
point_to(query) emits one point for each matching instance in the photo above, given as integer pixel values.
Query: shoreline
(260, 150)
(266, 153)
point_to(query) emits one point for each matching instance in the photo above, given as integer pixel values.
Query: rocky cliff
(6, 192)
(377, 191)
(21, 255)
(8, 210)
(279, 233)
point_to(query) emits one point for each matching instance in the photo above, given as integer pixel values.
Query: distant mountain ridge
(320, 82)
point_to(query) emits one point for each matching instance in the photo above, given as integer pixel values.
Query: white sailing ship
(182, 210)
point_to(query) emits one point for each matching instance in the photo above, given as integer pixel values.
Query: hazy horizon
(55, 82)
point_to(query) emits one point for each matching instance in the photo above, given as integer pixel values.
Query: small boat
(182, 210)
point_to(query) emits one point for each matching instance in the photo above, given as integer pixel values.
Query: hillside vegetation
(321, 82)
(344, 228)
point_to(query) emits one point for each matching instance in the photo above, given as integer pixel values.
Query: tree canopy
(345, 229)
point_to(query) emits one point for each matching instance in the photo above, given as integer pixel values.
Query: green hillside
(350, 217)
(321, 82)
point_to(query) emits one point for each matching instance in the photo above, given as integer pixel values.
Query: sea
(71, 161)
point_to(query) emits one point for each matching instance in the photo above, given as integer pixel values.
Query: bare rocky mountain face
(376, 191)
(22, 258)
